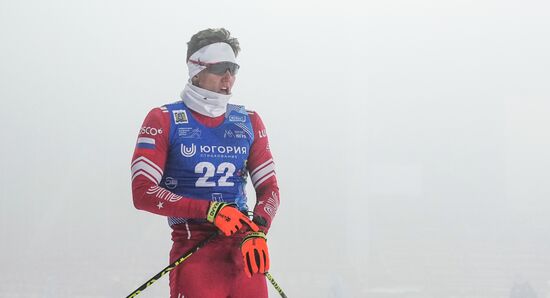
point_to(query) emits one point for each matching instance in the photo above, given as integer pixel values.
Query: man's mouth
(225, 90)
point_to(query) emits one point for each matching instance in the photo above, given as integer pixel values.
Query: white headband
(212, 53)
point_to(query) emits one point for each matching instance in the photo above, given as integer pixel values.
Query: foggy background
(411, 140)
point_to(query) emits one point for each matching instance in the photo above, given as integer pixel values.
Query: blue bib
(208, 163)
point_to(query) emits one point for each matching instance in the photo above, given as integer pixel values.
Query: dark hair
(210, 36)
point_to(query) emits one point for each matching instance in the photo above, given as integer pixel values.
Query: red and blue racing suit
(184, 160)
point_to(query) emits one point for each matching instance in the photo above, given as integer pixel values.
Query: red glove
(255, 253)
(228, 218)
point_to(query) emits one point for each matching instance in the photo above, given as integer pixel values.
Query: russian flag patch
(146, 143)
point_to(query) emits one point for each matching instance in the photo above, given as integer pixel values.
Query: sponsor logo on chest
(237, 134)
(171, 183)
(189, 132)
(213, 150)
(217, 197)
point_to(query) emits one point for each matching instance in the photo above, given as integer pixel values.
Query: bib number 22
(209, 170)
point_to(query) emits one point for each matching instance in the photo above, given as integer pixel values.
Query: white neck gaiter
(204, 101)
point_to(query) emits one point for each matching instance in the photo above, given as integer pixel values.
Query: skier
(191, 164)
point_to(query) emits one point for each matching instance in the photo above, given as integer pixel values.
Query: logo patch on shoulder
(237, 118)
(180, 116)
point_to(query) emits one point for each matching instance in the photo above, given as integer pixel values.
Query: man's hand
(228, 218)
(255, 253)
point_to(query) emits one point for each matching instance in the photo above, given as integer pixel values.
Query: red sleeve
(148, 167)
(262, 172)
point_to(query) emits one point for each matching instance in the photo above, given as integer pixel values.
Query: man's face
(217, 83)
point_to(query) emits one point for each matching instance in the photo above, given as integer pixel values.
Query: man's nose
(227, 74)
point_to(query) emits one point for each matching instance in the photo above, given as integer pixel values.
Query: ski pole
(172, 266)
(274, 283)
